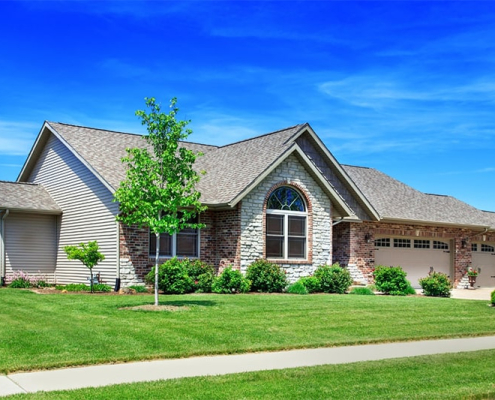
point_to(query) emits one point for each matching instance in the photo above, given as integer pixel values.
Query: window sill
(294, 261)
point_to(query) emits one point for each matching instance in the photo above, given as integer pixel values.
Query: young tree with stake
(160, 186)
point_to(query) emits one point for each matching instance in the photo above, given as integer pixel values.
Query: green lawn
(49, 331)
(445, 376)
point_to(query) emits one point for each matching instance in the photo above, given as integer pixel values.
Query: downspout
(117, 280)
(2, 247)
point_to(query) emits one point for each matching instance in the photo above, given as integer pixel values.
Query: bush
(364, 291)
(101, 287)
(266, 277)
(139, 288)
(297, 288)
(201, 274)
(22, 280)
(333, 278)
(493, 298)
(392, 280)
(231, 281)
(73, 287)
(436, 284)
(311, 283)
(173, 277)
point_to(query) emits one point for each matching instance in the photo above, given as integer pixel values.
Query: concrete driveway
(475, 294)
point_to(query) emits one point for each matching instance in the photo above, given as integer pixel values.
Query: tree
(88, 254)
(160, 186)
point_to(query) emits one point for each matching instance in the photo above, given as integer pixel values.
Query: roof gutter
(2, 246)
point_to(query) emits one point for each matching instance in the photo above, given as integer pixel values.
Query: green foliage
(392, 280)
(202, 275)
(88, 254)
(180, 276)
(22, 280)
(160, 186)
(364, 291)
(311, 283)
(266, 277)
(172, 277)
(493, 298)
(333, 278)
(81, 287)
(436, 284)
(231, 281)
(139, 288)
(297, 288)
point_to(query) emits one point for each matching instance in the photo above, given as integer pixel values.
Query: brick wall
(351, 247)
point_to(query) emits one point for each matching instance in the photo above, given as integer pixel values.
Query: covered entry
(418, 257)
(483, 260)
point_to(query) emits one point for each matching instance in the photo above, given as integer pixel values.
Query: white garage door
(483, 260)
(416, 256)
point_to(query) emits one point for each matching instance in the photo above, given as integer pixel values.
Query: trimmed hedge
(266, 277)
(392, 280)
(333, 278)
(436, 284)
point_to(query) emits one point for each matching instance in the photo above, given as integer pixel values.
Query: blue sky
(404, 87)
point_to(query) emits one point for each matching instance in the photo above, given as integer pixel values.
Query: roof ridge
(260, 136)
(123, 133)
(356, 166)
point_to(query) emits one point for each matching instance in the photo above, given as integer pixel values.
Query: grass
(445, 376)
(52, 331)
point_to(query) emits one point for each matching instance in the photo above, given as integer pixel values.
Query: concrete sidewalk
(103, 375)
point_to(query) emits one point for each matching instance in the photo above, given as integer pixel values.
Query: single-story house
(281, 196)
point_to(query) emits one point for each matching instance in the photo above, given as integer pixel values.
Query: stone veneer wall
(252, 247)
(351, 249)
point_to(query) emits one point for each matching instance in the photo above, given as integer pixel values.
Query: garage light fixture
(367, 238)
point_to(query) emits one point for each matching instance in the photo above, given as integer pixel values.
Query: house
(280, 196)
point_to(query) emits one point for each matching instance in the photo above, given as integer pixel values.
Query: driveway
(475, 294)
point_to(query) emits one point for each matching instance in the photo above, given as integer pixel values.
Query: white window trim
(286, 214)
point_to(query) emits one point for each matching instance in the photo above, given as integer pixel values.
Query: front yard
(51, 331)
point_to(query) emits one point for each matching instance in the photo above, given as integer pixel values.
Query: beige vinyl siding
(88, 211)
(31, 243)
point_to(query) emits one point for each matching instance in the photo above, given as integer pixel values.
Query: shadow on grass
(173, 303)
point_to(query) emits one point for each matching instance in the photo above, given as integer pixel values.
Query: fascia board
(432, 223)
(30, 158)
(341, 171)
(334, 196)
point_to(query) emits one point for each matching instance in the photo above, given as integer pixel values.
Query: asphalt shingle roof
(230, 169)
(396, 200)
(26, 196)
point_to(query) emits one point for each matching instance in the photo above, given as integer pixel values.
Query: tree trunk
(91, 274)
(156, 266)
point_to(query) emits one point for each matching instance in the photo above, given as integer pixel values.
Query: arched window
(286, 225)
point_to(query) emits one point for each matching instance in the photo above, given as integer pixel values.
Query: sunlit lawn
(49, 331)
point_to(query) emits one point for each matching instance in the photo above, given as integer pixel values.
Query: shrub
(333, 278)
(493, 298)
(73, 287)
(139, 288)
(101, 287)
(266, 277)
(201, 274)
(22, 280)
(364, 291)
(297, 288)
(231, 281)
(311, 283)
(173, 277)
(436, 284)
(392, 280)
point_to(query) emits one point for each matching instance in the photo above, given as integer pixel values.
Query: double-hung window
(286, 225)
(182, 244)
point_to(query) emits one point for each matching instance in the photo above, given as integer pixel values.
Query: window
(402, 242)
(474, 247)
(183, 244)
(487, 248)
(382, 242)
(421, 244)
(286, 225)
(440, 245)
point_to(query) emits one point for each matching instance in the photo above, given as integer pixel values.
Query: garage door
(483, 260)
(416, 256)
